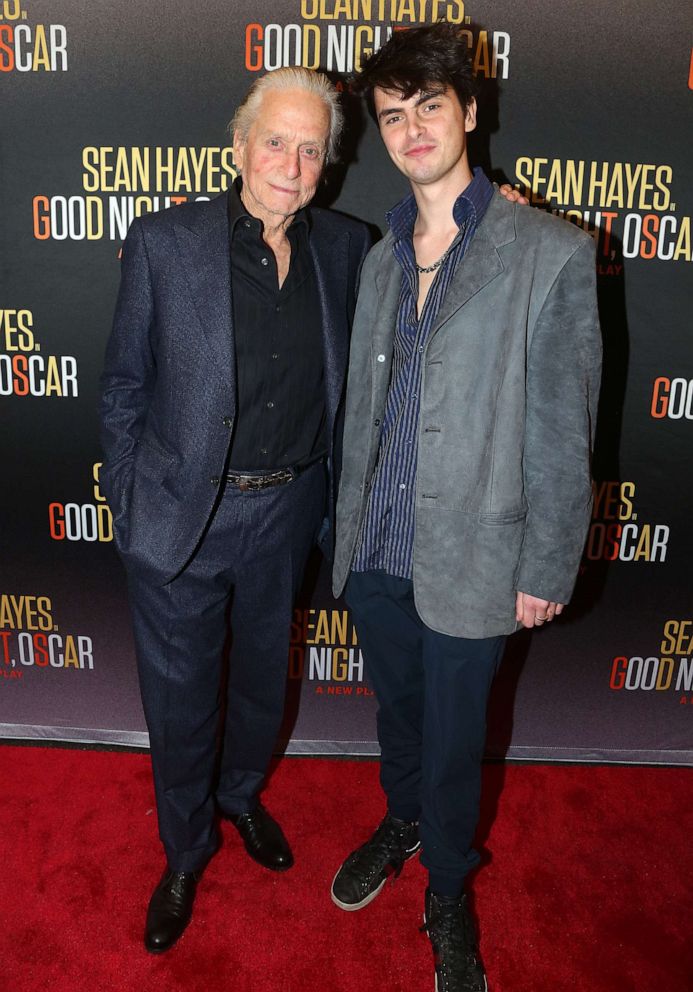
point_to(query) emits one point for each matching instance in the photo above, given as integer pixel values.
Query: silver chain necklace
(436, 265)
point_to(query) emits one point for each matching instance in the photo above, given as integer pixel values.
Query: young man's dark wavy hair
(415, 60)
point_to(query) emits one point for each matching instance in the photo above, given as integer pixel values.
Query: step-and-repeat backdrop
(108, 111)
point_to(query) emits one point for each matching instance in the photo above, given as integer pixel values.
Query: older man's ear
(510, 193)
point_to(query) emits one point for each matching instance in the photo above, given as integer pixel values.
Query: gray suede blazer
(509, 393)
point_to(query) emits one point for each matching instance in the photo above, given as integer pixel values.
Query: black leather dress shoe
(263, 839)
(170, 909)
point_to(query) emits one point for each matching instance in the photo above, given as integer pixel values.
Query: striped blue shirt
(386, 539)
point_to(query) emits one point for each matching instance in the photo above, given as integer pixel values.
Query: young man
(465, 493)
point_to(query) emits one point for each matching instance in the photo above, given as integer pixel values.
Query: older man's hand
(510, 193)
(533, 612)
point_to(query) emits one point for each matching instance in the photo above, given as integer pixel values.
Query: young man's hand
(531, 611)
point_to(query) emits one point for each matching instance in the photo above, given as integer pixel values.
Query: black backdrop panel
(111, 110)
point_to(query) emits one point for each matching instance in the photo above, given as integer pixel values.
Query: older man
(465, 493)
(221, 396)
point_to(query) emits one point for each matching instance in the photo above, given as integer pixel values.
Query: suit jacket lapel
(205, 257)
(330, 264)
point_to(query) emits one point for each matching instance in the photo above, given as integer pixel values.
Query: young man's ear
(470, 116)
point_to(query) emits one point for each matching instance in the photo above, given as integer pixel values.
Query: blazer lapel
(481, 263)
(205, 257)
(331, 265)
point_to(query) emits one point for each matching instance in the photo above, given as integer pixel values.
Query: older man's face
(283, 156)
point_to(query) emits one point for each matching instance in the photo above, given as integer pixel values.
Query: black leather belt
(255, 481)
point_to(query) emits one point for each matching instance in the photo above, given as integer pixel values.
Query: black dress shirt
(280, 418)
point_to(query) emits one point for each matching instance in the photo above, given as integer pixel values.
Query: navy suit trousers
(248, 568)
(432, 691)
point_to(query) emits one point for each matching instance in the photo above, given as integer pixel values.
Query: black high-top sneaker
(366, 870)
(453, 939)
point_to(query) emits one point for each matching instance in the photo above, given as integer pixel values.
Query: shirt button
(227, 421)
(402, 485)
(381, 358)
(270, 404)
(215, 480)
(421, 350)
(264, 261)
(275, 354)
(246, 223)
(376, 423)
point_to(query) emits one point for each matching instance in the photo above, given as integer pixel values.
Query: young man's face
(426, 135)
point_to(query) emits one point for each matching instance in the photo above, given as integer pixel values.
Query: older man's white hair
(292, 78)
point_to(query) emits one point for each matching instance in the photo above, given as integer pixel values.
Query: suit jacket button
(215, 480)
(227, 421)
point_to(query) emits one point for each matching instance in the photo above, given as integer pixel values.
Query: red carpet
(585, 887)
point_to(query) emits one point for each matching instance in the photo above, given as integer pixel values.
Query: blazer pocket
(506, 517)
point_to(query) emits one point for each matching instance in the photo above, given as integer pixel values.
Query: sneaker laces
(452, 931)
(385, 847)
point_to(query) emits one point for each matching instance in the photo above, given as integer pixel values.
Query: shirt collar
(237, 211)
(470, 206)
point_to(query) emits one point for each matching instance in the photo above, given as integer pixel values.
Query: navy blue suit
(195, 551)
